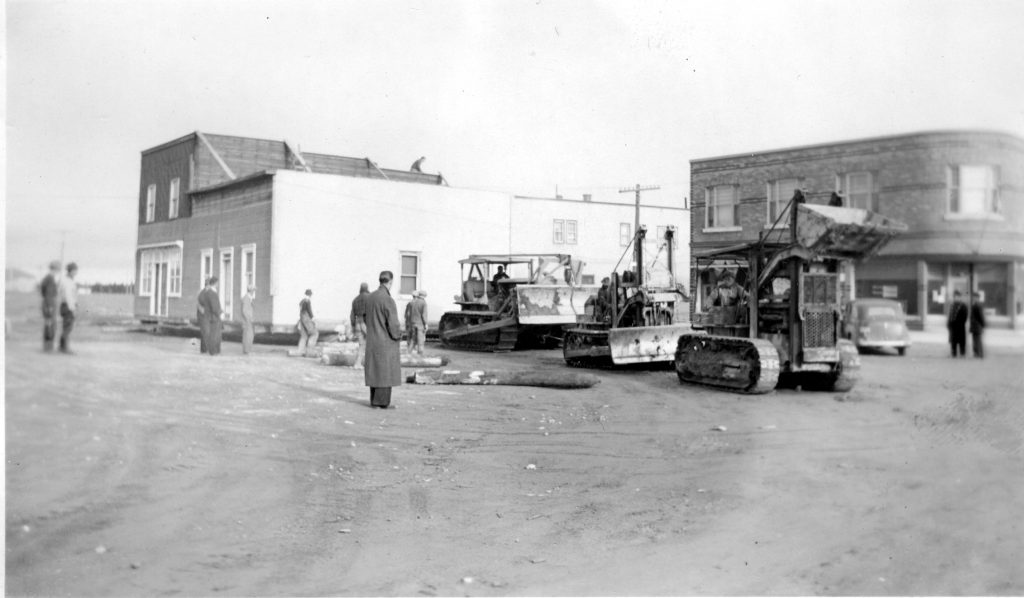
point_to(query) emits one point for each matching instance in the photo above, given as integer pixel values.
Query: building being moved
(961, 193)
(253, 211)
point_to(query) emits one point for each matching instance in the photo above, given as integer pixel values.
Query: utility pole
(637, 189)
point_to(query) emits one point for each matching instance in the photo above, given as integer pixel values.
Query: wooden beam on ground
(543, 378)
(407, 360)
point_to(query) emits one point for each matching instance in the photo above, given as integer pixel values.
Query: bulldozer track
(456, 332)
(587, 349)
(742, 364)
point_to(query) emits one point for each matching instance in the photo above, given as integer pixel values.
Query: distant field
(101, 307)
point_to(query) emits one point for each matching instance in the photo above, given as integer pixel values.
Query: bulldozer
(632, 323)
(515, 301)
(783, 326)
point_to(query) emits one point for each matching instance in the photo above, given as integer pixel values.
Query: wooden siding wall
(230, 218)
(159, 167)
(243, 156)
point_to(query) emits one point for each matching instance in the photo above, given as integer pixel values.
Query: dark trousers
(979, 348)
(204, 330)
(49, 331)
(958, 342)
(68, 318)
(380, 396)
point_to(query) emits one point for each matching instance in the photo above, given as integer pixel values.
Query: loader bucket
(645, 344)
(844, 232)
(553, 304)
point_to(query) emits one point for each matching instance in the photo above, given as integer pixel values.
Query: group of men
(60, 299)
(956, 322)
(209, 314)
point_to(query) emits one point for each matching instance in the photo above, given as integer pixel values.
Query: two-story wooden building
(960, 192)
(253, 211)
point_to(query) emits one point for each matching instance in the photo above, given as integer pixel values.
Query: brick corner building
(961, 193)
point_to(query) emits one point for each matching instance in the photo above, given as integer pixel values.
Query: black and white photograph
(513, 298)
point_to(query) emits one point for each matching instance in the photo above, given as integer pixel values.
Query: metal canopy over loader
(787, 325)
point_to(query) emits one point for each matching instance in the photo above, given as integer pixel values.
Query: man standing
(204, 326)
(383, 334)
(210, 302)
(357, 317)
(307, 325)
(955, 323)
(49, 289)
(416, 322)
(248, 332)
(977, 324)
(604, 299)
(68, 305)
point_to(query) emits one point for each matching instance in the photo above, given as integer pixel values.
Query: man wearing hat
(357, 317)
(51, 302)
(727, 293)
(383, 368)
(307, 325)
(68, 304)
(416, 322)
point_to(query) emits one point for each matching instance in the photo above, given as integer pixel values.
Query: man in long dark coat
(383, 369)
(204, 326)
(956, 324)
(210, 302)
(48, 288)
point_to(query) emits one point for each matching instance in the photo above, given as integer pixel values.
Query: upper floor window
(779, 194)
(570, 232)
(973, 189)
(151, 203)
(558, 232)
(858, 190)
(722, 207)
(625, 234)
(174, 195)
(410, 276)
(248, 266)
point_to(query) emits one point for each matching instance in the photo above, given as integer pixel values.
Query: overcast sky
(521, 96)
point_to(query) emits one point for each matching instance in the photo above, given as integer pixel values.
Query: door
(158, 300)
(227, 287)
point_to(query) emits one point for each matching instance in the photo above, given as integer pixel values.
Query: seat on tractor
(473, 290)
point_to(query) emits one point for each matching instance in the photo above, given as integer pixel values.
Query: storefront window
(990, 281)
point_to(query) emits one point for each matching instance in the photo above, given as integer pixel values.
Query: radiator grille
(819, 329)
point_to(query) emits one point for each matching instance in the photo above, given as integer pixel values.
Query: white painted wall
(332, 232)
(329, 233)
(598, 234)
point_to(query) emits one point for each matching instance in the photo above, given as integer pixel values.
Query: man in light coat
(357, 317)
(248, 332)
(68, 291)
(383, 369)
(416, 322)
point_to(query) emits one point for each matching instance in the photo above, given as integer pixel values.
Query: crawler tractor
(788, 327)
(633, 323)
(527, 308)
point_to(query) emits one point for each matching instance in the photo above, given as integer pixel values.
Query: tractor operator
(728, 293)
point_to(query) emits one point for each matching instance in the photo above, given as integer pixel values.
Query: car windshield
(881, 311)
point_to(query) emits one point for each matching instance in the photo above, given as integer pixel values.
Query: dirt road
(140, 468)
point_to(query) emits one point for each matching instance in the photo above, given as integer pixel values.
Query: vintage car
(875, 324)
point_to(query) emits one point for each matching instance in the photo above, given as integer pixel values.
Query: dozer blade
(645, 344)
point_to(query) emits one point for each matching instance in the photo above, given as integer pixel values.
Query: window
(410, 276)
(588, 279)
(723, 207)
(173, 194)
(558, 234)
(205, 266)
(625, 234)
(779, 194)
(227, 279)
(248, 266)
(174, 272)
(973, 190)
(151, 203)
(570, 232)
(146, 274)
(858, 190)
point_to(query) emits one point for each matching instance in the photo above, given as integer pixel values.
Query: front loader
(788, 329)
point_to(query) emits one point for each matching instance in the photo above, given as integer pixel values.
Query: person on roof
(416, 166)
